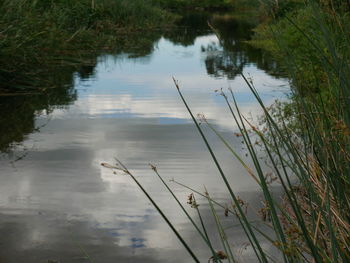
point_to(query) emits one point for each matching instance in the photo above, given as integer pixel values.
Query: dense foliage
(36, 35)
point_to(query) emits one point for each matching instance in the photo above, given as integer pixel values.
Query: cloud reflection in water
(59, 198)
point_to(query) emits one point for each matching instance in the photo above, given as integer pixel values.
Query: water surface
(56, 201)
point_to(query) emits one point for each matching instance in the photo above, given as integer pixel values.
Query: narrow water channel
(57, 204)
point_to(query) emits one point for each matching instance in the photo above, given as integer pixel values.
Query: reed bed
(39, 36)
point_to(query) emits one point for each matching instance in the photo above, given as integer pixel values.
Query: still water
(57, 203)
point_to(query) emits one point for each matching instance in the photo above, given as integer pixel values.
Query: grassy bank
(313, 36)
(37, 36)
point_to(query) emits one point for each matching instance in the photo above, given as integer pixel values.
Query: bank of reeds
(39, 36)
(309, 153)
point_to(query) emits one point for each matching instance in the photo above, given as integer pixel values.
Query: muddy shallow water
(56, 201)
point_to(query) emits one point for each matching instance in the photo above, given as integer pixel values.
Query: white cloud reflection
(137, 94)
(122, 113)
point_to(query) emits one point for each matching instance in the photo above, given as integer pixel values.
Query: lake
(58, 204)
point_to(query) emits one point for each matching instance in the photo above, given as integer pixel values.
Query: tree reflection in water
(224, 59)
(234, 53)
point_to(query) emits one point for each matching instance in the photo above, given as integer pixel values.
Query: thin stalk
(261, 255)
(204, 236)
(222, 234)
(189, 250)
